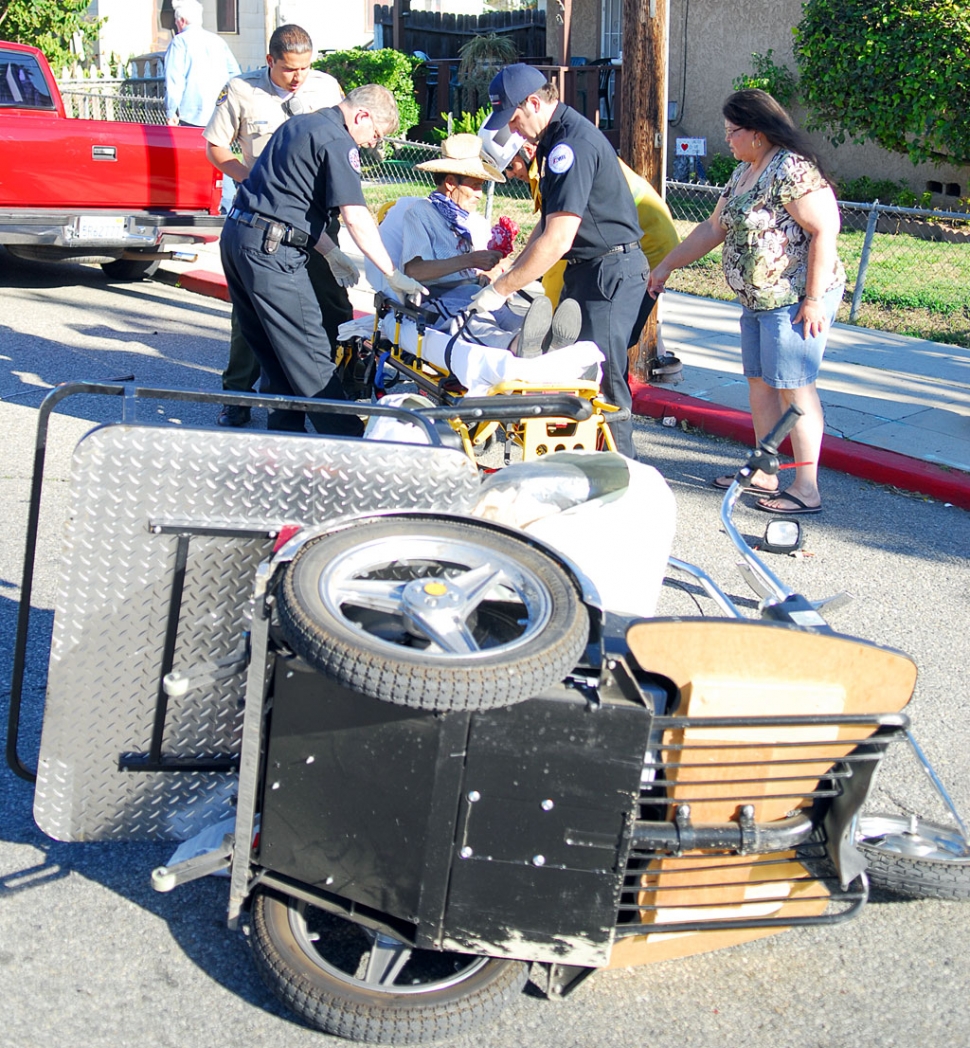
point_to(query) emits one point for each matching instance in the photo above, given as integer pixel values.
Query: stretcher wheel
(432, 614)
(366, 986)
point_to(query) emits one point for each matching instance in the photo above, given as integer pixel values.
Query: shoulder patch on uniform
(354, 157)
(561, 159)
(223, 95)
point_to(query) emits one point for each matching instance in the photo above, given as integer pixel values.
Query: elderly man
(309, 167)
(443, 242)
(588, 218)
(249, 109)
(197, 65)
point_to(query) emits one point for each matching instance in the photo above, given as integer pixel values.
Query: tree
(891, 71)
(49, 25)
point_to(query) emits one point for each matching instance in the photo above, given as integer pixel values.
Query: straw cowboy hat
(462, 155)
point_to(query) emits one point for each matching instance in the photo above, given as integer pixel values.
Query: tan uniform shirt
(250, 108)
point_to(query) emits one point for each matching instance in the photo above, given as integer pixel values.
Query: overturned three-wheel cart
(429, 754)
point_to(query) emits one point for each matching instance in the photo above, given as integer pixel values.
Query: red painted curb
(846, 456)
(205, 282)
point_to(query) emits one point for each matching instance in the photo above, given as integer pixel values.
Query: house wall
(133, 25)
(332, 24)
(711, 42)
(130, 29)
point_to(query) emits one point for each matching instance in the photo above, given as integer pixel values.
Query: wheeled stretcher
(401, 342)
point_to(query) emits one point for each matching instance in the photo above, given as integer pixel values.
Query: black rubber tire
(921, 865)
(461, 991)
(509, 646)
(124, 269)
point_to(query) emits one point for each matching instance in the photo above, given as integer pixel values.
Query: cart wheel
(914, 858)
(366, 986)
(433, 614)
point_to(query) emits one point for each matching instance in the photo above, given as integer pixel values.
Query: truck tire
(432, 614)
(914, 858)
(355, 983)
(124, 270)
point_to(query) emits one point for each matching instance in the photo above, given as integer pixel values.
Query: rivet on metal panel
(275, 786)
(538, 860)
(548, 805)
(474, 795)
(310, 759)
(466, 852)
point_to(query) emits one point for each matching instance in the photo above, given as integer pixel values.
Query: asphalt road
(90, 957)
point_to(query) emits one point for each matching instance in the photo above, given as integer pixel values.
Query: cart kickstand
(165, 878)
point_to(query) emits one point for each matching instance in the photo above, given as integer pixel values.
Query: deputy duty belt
(296, 237)
(620, 249)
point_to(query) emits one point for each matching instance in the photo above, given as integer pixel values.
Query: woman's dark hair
(756, 110)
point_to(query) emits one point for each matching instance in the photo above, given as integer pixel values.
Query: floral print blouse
(765, 253)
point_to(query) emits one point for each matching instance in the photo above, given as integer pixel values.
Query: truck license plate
(100, 227)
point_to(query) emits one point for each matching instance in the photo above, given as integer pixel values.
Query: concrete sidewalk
(897, 409)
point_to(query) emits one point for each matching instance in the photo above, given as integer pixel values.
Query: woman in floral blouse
(778, 221)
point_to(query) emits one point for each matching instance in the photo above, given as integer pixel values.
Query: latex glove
(345, 272)
(488, 300)
(403, 285)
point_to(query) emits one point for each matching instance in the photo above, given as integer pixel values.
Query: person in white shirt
(197, 64)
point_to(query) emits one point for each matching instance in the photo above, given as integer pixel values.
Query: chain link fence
(908, 269)
(390, 173)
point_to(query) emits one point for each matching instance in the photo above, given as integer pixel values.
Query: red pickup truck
(119, 194)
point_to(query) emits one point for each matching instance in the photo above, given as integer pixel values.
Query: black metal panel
(350, 804)
(551, 786)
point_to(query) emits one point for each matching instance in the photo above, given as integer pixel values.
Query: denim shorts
(777, 352)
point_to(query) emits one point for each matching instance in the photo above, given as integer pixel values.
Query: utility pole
(643, 135)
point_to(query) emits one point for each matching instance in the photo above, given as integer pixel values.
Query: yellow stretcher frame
(534, 436)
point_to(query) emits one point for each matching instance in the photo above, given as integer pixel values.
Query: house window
(612, 35)
(227, 16)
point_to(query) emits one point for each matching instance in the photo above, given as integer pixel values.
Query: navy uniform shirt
(309, 167)
(580, 173)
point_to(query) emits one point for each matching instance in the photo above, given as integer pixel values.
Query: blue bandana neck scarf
(456, 217)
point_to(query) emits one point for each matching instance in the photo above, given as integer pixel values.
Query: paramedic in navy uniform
(308, 169)
(588, 217)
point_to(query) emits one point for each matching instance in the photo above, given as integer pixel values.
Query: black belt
(620, 249)
(296, 237)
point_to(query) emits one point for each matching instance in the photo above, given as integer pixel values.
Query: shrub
(866, 190)
(392, 69)
(888, 72)
(778, 81)
(719, 168)
(463, 124)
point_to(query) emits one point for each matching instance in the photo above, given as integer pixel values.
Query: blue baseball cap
(508, 90)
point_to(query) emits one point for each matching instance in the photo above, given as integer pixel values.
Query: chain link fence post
(860, 280)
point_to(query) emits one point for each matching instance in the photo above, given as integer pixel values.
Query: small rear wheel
(914, 858)
(366, 986)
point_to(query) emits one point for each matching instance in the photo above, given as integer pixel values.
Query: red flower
(503, 236)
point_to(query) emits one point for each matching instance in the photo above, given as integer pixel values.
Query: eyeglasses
(730, 132)
(378, 135)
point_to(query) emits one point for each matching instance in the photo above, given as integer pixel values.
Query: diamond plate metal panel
(114, 591)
